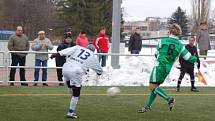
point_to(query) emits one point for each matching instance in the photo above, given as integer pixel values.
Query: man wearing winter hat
(60, 60)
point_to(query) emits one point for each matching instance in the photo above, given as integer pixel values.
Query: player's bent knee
(76, 91)
(152, 86)
(68, 84)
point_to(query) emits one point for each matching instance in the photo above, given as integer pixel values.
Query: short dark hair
(203, 22)
(102, 28)
(137, 27)
(69, 29)
(83, 32)
(192, 37)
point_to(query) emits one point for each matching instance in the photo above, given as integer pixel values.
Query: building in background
(150, 28)
(142, 25)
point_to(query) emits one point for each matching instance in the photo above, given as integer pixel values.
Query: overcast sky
(160, 8)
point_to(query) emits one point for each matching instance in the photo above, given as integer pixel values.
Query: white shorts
(74, 74)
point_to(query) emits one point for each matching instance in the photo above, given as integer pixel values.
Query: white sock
(73, 103)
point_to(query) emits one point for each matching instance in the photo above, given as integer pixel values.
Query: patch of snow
(135, 71)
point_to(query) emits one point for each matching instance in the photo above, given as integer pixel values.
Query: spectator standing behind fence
(203, 39)
(82, 39)
(101, 42)
(135, 42)
(18, 42)
(60, 60)
(41, 44)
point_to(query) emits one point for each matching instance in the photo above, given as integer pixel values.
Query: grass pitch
(51, 104)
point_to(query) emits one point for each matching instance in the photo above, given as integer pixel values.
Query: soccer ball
(113, 91)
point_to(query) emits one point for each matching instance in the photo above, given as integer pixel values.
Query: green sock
(161, 93)
(151, 99)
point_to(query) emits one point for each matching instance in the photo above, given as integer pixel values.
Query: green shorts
(159, 74)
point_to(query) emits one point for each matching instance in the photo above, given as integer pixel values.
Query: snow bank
(135, 71)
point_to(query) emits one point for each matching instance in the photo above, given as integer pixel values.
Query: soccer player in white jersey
(79, 60)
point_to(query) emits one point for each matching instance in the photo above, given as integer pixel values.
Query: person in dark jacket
(187, 67)
(135, 42)
(60, 60)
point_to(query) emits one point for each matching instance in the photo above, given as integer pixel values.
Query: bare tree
(200, 12)
(33, 15)
(1, 10)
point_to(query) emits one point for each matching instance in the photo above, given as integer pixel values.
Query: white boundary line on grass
(27, 95)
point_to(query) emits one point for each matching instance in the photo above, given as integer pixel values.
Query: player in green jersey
(168, 50)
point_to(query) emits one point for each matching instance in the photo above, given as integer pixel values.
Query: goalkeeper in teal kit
(168, 50)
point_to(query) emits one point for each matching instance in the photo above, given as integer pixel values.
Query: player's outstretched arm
(94, 65)
(187, 55)
(192, 59)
